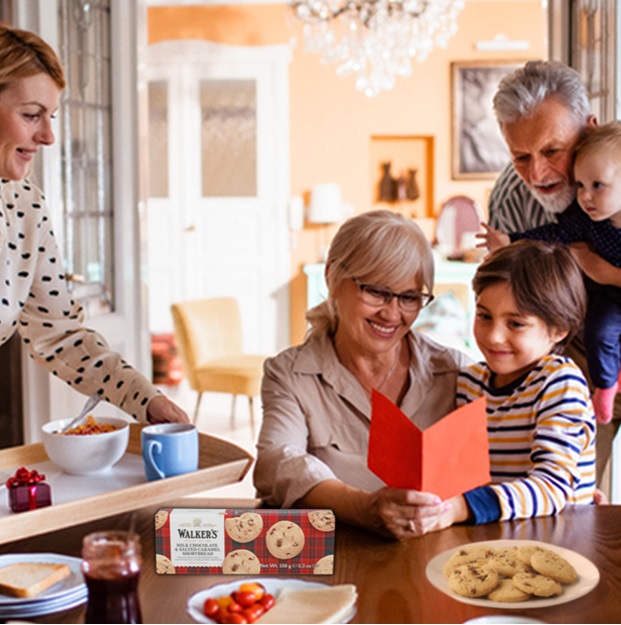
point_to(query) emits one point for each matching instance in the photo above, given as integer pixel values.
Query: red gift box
(28, 491)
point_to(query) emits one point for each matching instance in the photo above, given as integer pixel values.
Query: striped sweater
(541, 437)
(512, 207)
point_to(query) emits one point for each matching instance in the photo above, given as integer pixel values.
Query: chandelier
(376, 40)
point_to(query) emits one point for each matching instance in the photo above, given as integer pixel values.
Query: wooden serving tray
(219, 463)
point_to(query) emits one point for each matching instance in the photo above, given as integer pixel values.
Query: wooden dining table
(390, 576)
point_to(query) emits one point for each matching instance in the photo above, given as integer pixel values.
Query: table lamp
(326, 207)
(326, 204)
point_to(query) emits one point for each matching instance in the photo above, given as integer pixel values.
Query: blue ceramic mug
(169, 449)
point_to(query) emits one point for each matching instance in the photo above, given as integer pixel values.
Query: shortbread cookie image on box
(244, 528)
(163, 566)
(241, 561)
(324, 566)
(161, 516)
(285, 540)
(322, 520)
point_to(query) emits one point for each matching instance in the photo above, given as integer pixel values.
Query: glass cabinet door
(86, 140)
(228, 138)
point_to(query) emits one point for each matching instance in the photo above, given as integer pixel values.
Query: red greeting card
(447, 459)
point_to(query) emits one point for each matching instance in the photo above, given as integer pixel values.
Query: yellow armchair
(209, 338)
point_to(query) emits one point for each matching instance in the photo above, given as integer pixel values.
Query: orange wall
(332, 123)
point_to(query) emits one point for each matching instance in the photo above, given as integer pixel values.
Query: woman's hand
(161, 410)
(393, 512)
(406, 513)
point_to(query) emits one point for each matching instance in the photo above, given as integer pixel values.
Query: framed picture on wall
(478, 149)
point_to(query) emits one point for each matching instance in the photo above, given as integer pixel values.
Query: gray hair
(522, 91)
(380, 247)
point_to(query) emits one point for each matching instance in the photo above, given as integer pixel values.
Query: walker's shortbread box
(243, 542)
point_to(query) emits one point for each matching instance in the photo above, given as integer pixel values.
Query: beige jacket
(316, 416)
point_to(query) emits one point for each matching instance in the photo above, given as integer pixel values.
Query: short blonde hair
(380, 247)
(603, 141)
(24, 54)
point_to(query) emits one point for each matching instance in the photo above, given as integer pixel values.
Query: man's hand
(594, 266)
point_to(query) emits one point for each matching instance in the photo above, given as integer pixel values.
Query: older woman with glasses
(312, 449)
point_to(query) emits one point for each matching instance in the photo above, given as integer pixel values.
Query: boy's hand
(492, 238)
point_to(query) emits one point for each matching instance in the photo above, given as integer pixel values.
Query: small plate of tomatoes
(241, 601)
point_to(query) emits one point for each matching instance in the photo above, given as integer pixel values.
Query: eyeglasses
(410, 301)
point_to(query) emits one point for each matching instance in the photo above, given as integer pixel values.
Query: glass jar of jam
(111, 566)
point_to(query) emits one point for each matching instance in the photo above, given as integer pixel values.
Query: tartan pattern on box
(317, 543)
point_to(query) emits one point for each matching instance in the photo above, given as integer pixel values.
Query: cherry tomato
(253, 612)
(210, 607)
(234, 607)
(255, 587)
(267, 601)
(235, 618)
(245, 598)
(224, 602)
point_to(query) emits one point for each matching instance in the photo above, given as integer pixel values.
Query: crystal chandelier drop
(378, 39)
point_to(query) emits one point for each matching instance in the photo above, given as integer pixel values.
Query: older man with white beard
(543, 110)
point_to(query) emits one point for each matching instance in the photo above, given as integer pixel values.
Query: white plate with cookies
(574, 575)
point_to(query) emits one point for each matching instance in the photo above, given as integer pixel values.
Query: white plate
(272, 585)
(588, 576)
(43, 607)
(62, 590)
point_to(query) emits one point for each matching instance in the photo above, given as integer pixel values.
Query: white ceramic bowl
(86, 453)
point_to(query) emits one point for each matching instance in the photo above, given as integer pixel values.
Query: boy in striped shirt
(530, 301)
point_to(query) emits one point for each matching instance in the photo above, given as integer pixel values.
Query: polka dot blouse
(35, 301)
(575, 225)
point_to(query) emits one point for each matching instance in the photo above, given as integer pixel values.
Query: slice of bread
(28, 579)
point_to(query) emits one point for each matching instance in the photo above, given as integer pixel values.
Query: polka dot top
(35, 301)
(575, 225)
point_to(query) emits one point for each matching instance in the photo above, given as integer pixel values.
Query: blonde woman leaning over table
(312, 449)
(34, 299)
